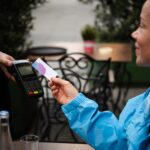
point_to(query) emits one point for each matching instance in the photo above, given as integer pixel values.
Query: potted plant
(89, 35)
(115, 22)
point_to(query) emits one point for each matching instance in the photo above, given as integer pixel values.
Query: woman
(102, 130)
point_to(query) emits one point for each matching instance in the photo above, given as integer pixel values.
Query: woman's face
(142, 36)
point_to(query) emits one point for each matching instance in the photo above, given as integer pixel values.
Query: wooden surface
(55, 146)
(118, 52)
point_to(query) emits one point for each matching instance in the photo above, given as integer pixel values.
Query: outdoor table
(56, 146)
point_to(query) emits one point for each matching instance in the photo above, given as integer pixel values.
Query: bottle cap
(4, 114)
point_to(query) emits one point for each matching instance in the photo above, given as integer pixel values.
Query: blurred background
(57, 21)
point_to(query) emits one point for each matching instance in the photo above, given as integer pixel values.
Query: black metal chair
(89, 77)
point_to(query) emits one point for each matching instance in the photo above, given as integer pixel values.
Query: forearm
(97, 128)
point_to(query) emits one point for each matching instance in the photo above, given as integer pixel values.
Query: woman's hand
(6, 61)
(62, 90)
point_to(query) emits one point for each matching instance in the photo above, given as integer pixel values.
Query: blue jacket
(103, 131)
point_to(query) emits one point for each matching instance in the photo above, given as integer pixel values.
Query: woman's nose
(134, 34)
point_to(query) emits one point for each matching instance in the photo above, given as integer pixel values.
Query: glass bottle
(5, 136)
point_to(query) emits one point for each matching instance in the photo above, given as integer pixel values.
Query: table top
(46, 50)
(56, 146)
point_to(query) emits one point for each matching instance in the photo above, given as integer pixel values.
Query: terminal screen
(25, 70)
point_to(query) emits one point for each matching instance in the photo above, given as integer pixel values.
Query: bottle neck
(5, 136)
(4, 126)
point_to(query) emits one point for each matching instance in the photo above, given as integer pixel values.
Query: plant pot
(89, 46)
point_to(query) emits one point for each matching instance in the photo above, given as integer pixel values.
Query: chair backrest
(87, 75)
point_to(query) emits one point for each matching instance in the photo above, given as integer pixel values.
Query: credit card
(44, 69)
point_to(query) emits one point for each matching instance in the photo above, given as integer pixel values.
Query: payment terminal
(26, 77)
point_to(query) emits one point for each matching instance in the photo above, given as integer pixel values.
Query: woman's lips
(137, 50)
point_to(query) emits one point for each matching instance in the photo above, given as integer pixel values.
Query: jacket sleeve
(99, 129)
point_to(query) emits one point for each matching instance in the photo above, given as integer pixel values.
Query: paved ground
(60, 20)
